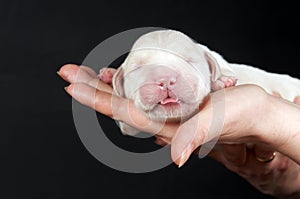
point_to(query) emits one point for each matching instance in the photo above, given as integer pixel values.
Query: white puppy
(167, 75)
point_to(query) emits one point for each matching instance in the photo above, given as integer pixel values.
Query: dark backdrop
(41, 153)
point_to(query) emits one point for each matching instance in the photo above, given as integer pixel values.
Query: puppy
(168, 75)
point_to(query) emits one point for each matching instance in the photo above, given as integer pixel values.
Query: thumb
(189, 136)
(200, 129)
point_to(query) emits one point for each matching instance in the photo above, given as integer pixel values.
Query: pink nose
(166, 82)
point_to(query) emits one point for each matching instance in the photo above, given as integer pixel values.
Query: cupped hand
(240, 125)
(245, 108)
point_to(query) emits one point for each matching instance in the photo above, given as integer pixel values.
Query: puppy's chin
(174, 112)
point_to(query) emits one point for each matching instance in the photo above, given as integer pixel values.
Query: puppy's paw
(106, 75)
(223, 82)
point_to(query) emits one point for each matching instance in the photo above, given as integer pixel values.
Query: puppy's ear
(118, 82)
(222, 75)
(214, 67)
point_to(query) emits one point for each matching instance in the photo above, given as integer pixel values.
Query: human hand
(87, 89)
(278, 176)
(256, 163)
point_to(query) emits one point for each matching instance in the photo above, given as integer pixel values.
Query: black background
(41, 153)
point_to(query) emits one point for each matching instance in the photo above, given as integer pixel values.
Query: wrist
(281, 128)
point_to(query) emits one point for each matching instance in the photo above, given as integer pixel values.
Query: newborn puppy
(167, 75)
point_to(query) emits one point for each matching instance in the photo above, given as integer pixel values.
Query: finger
(161, 142)
(113, 106)
(75, 74)
(217, 154)
(90, 96)
(70, 72)
(190, 136)
(235, 154)
(297, 100)
(167, 140)
(200, 129)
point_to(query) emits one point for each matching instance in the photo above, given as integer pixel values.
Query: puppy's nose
(166, 82)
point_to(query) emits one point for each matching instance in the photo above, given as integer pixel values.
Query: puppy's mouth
(169, 101)
(169, 109)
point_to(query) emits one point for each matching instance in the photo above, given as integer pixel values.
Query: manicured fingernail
(185, 155)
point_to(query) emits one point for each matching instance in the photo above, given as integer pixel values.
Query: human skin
(269, 122)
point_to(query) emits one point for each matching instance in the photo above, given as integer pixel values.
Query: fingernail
(185, 155)
(58, 73)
